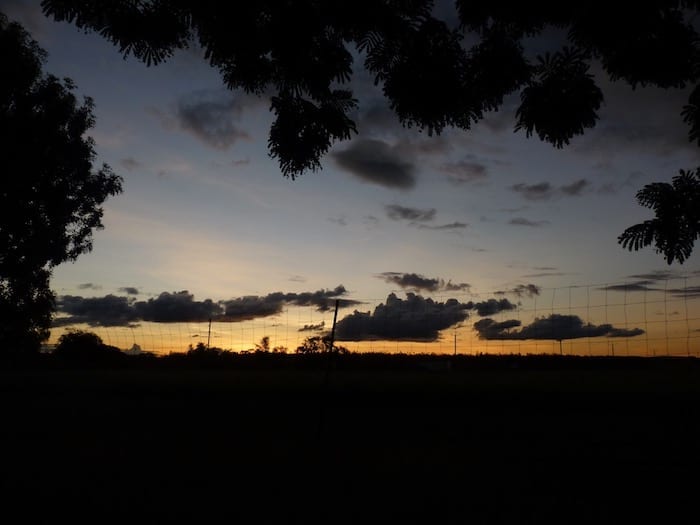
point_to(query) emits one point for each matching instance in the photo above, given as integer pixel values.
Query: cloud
(545, 191)
(556, 327)
(211, 116)
(529, 290)
(443, 227)
(321, 299)
(110, 310)
(657, 275)
(340, 221)
(575, 188)
(533, 192)
(130, 163)
(376, 162)
(690, 291)
(313, 327)
(89, 286)
(464, 172)
(252, 307)
(449, 286)
(545, 274)
(412, 319)
(130, 290)
(417, 282)
(399, 213)
(177, 307)
(638, 286)
(491, 306)
(521, 221)
(181, 306)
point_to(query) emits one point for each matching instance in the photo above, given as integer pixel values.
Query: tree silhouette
(432, 75)
(676, 227)
(319, 344)
(82, 346)
(50, 196)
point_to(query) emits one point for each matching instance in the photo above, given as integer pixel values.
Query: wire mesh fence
(644, 318)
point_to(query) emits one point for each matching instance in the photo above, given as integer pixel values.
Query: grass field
(501, 440)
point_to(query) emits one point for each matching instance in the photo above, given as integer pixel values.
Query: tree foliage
(82, 346)
(433, 74)
(676, 227)
(50, 196)
(319, 344)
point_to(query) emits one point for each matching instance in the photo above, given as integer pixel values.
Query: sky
(470, 241)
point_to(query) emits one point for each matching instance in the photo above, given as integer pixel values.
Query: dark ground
(509, 440)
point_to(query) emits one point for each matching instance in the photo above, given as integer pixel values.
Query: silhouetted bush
(86, 347)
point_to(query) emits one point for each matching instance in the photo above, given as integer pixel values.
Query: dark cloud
(130, 163)
(340, 221)
(575, 188)
(399, 213)
(110, 310)
(541, 191)
(544, 274)
(313, 327)
(690, 291)
(177, 307)
(211, 116)
(416, 282)
(521, 221)
(491, 306)
(130, 290)
(412, 319)
(657, 275)
(442, 227)
(464, 172)
(556, 327)
(411, 281)
(545, 191)
(252, 307)
(449, 286)
(528, 290)
(297, 279)
(376, 162)
(323, 300)
(638, 286)
(181, 306)
(89, 286)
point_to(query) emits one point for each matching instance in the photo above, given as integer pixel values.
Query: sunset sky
(468, 216)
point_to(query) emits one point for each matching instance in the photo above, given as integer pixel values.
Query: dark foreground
(510, 441)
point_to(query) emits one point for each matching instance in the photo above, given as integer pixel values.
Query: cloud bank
(556, 327)
(182, 307)
(417, 282)
(412, 319)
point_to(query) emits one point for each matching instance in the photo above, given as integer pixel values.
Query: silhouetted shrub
(88, 347)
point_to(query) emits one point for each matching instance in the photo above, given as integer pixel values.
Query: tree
(79, 345)
(318, 344)
(677, 224)
(50, 196)
(432, 75)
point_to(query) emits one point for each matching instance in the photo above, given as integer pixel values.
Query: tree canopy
(435, 73)
(50, 196)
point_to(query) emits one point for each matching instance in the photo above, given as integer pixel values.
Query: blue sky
(205, 209)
